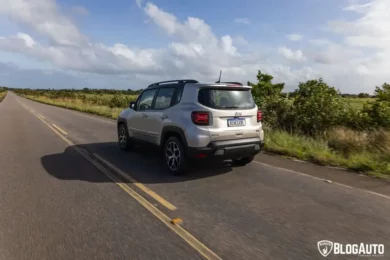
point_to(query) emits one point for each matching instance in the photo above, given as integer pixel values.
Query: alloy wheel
(173, 155)
(122, 136)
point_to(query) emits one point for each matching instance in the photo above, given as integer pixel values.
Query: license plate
(236, 122)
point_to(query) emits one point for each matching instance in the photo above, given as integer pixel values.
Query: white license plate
(236, 122)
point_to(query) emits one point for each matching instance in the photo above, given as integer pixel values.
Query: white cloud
(290, 54)
(294, 37)
(371, 29)
(196, 51)
(242, 20)
(44, 17)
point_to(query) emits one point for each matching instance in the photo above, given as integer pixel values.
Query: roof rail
(236, 83)
(179, 81)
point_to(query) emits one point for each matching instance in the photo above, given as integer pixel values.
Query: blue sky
(129, 44)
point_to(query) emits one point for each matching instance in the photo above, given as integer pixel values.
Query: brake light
(259, 116)
(200, 117)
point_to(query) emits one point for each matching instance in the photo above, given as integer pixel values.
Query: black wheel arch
(121, 121)
(173, 131)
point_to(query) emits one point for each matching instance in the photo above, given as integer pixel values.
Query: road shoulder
(327, 173)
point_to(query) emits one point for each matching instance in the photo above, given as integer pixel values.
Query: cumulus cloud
(290, 54)
(44, 17)
(196, 51)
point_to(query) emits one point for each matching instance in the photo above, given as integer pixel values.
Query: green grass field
(369, 154)
(358, 103)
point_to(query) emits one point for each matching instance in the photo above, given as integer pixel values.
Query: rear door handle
(144, 115)
(164, 117)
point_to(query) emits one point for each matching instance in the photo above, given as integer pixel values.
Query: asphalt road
(56, 204)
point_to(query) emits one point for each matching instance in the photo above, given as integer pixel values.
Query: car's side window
(164, 98)
(146, 100)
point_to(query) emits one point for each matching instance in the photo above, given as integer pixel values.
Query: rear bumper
(230, 149)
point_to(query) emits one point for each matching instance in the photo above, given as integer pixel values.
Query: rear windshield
(226, 98)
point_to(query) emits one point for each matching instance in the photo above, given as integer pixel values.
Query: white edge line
(321, 179)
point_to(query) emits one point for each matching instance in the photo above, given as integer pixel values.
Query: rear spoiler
(227, 85)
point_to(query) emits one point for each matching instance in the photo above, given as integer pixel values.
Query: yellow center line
(181, 232)
(59, 129)
(142, 187)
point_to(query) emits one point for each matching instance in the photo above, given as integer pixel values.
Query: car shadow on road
(144, 164)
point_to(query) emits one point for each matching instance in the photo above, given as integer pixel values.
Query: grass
(357, 151)
(79, 105)
(367, 153)
(358, 103)
(2, 95)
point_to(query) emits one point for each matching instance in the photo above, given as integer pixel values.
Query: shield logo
(325, 247)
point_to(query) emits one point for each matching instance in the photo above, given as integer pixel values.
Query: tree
(269, 98)
(379, 110)
(383, 93)
(363, 95)
(317, 107)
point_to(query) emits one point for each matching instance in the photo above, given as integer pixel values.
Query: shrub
(356, 119)
(270, 99)
(318, 107)
(120, 101)
(379, 110)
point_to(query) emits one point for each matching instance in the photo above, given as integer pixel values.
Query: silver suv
(193, 121)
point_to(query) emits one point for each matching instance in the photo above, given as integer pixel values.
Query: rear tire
(174, 156)
(243, 161)
(123, 138)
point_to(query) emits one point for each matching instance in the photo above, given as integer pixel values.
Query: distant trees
(363, 95)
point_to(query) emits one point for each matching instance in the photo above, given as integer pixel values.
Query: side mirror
(132, 105)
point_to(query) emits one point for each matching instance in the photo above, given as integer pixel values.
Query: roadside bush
(356, 119)
(120, 101)
(379, 110)
(318, 107)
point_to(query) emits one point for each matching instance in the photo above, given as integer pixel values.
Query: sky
(129, 44)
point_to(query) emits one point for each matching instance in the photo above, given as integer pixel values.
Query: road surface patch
(181, 232)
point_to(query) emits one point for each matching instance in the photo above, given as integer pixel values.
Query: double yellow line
(170, 223)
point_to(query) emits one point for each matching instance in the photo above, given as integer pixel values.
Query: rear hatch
(234, 112)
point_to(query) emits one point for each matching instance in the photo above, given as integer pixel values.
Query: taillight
(259, 116)
(200, 117)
